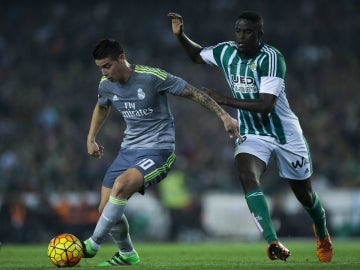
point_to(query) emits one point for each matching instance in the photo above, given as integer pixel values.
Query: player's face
(112, 69)
(247, 37)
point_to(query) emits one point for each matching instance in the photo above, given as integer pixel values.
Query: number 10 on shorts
(146, 163)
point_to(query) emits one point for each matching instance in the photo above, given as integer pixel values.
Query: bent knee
(127, 184)
(249, 181)
(247, 176)
(305, 198)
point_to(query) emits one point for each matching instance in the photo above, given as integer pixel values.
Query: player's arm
(230, 124)
(264, 104)
(98, 118)
(191, 48)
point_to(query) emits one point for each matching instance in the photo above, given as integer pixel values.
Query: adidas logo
(115, 98)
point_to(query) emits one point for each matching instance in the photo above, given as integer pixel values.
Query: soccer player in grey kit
(147, 150)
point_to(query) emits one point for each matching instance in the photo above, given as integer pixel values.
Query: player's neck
(128, 69)
(252, 53)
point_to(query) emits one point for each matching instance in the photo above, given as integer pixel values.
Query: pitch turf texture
(207, 256)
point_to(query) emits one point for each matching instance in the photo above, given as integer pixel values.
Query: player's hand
(214, 95)
(231, 126)
(177, 23)
(95, 150)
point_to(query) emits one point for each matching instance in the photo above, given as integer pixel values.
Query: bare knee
(305, 197)
(121, 189)
(303, 191)
(250, 170)
(127, 184)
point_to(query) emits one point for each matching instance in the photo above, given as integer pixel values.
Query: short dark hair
(252, 16)
(107, 48)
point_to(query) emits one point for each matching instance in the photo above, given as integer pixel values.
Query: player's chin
(241, 48)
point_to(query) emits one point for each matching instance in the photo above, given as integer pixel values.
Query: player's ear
(121, 57)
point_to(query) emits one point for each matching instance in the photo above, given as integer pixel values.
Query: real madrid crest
(140, 94)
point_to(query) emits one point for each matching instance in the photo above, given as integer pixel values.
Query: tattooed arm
(230, 124)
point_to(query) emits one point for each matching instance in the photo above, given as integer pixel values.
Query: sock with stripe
(317, 213)
(112, 213)
(259, 209)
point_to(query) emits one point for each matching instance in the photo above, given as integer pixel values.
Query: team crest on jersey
(252, 66)
(140, 94)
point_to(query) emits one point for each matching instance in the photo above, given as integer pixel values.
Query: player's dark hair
(107, 48)
(252, 16)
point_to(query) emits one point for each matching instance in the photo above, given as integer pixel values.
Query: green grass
(209, 256)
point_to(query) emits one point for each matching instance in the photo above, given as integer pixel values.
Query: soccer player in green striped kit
(255, 72)
(147, 151)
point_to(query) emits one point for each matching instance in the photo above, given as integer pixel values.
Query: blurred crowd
(48, 87)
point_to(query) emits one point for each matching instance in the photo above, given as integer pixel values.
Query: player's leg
(119, 233)
(310, 201)
(148, 167)
(126, 255)
(154, 166)
(252, 156)
(312, 204)
(250, 170)
(121, 237)
(125, 186)
(295, 165)
(90, 247)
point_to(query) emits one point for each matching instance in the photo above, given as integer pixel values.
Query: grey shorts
(154, 164)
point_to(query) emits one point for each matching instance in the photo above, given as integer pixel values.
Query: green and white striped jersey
(247, 78)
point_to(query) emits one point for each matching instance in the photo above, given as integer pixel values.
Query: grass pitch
(207, 256)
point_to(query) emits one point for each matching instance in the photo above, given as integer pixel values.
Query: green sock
(258, 207)
(317, 213)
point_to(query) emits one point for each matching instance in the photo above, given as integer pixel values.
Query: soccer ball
(65, 250)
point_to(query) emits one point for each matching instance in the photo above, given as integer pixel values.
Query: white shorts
(293, 158)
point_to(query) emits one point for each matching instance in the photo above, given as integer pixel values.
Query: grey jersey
(142, 101)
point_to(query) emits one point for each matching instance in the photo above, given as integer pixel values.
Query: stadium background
(48, 87)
